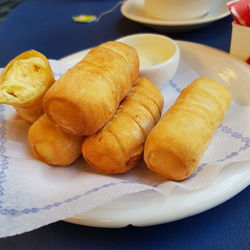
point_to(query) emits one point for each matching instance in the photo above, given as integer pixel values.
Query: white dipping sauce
(158, 56)
(151, 51)
(150, 56)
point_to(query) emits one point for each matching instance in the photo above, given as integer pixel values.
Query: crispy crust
(87, 95)
(119, 145)
(176, 144)
(51, 144)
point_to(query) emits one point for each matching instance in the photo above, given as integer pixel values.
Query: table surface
(46, 26)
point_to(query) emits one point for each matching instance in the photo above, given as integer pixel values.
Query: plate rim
(103, 222)
(154, 22)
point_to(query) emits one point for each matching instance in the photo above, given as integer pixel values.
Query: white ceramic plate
(147, 208)
(133, 10)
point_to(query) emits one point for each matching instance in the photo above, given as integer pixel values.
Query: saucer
(133, 10)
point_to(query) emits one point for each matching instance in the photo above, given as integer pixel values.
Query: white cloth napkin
(34, 194)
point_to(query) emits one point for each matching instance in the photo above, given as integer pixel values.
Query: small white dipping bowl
(159, 56)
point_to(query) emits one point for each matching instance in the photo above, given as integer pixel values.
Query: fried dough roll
(87, 95)
(118, 146)
(51, 144)
(176, 144)
(24, 82)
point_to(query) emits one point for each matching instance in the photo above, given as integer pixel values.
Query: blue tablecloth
(46, 25)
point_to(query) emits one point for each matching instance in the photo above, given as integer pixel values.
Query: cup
(177, 10)
(240, 42)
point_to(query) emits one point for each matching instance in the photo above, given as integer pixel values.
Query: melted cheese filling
(24, 81)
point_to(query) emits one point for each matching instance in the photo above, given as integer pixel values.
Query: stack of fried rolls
(23, 83)
(176, 144)
(82, 101)
(85, 98)
(103, 98)
(118, 146)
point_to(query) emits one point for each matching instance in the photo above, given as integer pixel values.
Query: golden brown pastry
(87, 95)
(23, 83)
(176, 144)
(51, 144)
(119, 145)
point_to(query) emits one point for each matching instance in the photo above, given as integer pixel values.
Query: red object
(240, 11)
(248, 60)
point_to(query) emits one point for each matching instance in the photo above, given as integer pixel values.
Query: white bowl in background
(159, 56)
